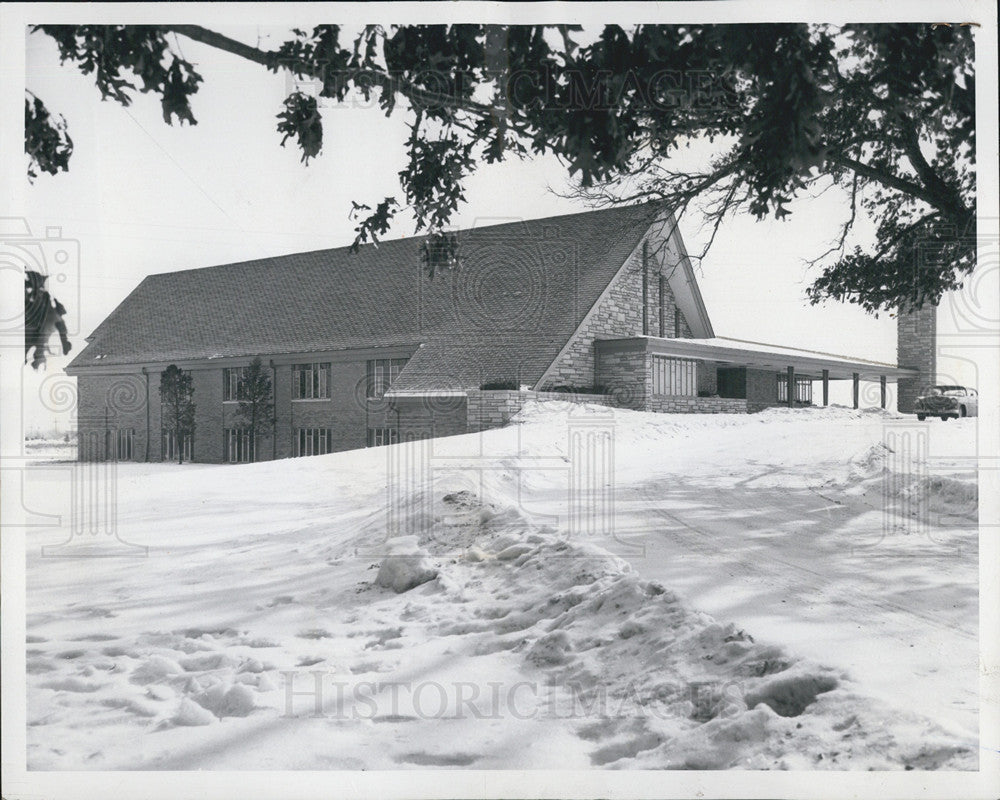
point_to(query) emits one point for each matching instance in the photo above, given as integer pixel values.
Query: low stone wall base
(494, 408)
(696, 405)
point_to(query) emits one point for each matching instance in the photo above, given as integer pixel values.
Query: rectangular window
(233, 386)
(380, 436)
(675, 376)
(803, 389)
(677, 322)
(311, 382)
(239, 446)
(169, 446)
(312, 441)
(381, 374)
(124, 443)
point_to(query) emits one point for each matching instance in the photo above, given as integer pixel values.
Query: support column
(791, 387)
(826, 387)
(881, 379)
(857, 387)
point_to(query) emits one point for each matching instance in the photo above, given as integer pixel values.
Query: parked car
(947, 402)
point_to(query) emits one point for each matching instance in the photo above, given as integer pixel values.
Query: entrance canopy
(727, 352)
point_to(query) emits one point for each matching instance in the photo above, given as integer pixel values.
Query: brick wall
(420, 417)
(345, 414)
(209, 416)
(106, 403)
(762, 389)
(708, 378)
(916, 347)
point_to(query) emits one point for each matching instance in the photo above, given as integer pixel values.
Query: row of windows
(124, 443)
(312, 441)
(240, 446)
(168, 443)
(308, 442)
(312, 381)
(382, 436)
(382, 373)
(803, 389)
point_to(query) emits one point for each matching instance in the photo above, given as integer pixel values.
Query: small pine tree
(177, 401)
(256, 408)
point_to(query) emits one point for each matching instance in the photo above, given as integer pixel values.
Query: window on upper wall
(803, 389)
(675, 376)
(124, 443)
(311, 382)
(312, 441)
(233, 384)
(382, 372)
(677, 322)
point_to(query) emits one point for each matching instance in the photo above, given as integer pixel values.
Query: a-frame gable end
(618, 312)
(676, 265)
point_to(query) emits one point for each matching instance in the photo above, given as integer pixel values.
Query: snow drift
(287, 630)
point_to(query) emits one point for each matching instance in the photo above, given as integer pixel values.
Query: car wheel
(962, 412)
(921, 417)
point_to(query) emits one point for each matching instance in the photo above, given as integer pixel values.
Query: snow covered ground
(785, 590)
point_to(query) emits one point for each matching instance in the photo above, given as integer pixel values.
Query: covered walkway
(734, 358)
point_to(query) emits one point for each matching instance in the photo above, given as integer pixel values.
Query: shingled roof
(522, 290)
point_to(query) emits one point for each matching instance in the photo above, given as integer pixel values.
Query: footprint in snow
(439, 760)
(314, 633)
(72, 685)
(629, 748)
(37, 666)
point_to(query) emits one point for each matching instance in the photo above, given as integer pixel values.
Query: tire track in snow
(700, 539)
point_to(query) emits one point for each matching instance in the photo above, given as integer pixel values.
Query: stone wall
(619, 315)
(494, 408)
(626, 377)
(666, 404)
(916, 347)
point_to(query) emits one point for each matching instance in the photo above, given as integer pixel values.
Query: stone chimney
(916, 347)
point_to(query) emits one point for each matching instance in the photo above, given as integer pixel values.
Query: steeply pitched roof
(523, 289)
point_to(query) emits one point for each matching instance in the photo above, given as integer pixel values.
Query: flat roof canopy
(756, 355)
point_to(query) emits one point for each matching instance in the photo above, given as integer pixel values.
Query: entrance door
(732, 382)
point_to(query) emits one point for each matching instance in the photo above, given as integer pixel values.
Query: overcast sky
(142, 197)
